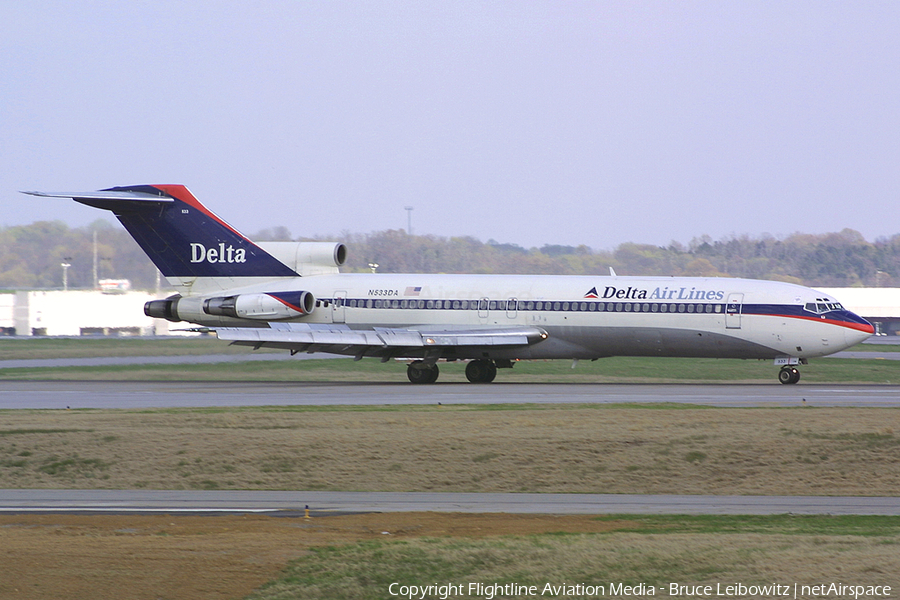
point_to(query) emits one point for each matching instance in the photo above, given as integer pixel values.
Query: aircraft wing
(378, 341)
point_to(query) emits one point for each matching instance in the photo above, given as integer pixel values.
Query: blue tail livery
(183, 238)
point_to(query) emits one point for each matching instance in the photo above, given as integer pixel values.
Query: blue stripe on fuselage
(843, 318)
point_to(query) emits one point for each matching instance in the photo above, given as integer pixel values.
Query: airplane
(292, 296)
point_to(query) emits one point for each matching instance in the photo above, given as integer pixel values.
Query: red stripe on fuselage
(865, 328)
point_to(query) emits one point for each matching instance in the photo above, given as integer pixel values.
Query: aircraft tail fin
(183, 238)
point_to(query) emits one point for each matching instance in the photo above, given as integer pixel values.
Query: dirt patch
(159, 557)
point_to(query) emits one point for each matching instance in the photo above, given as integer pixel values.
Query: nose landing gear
(789, 374)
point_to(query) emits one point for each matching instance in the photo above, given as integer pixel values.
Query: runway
(331, 503)
(159, 394)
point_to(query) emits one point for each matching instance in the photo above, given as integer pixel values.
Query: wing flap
(344, 340)
(319, 337)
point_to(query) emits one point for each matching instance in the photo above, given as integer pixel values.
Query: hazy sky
(527, 122)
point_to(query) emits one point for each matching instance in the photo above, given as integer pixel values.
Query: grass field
(146, 557)
(608, 370)
(597, 448)
(528, 448)
(92, 347)
(660, 551)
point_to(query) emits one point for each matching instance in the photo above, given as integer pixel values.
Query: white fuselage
(588, 316)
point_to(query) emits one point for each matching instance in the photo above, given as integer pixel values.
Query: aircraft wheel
(481, 371)
(789, 375)
(433, 373)
(420, 374)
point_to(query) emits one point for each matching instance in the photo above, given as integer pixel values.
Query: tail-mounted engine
(269, 307)
(273, 306)
(308, 258)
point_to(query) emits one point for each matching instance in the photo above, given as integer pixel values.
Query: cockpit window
(822, 307)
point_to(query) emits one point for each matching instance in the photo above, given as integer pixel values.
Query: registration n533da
(292, 295)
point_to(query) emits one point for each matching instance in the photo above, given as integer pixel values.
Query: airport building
(78, 312)
(117, 311)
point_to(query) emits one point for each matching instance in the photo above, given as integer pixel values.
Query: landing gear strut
(419, 372)
(789, 374)
(481, 371)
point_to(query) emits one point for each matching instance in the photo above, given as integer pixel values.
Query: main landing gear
(481, 371)
(419, 372)
(789, 374)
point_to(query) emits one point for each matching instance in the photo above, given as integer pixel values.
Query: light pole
(373, 266)
(65, 267)
(409, 210)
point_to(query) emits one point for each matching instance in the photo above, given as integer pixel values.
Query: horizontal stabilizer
(110, 195)
(183, 238)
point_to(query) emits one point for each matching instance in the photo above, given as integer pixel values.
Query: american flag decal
(413, 291)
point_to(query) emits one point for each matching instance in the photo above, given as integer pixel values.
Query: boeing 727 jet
(292, 296)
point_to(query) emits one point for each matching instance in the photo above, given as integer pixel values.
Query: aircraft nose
(859, 331)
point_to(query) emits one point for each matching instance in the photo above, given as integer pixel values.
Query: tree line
(31, 257)
(843, 259)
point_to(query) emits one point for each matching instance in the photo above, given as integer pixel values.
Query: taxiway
(324, 503)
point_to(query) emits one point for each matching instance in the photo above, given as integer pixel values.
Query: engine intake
(308, 258)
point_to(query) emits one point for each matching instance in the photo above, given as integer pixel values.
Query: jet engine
(269, 307)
